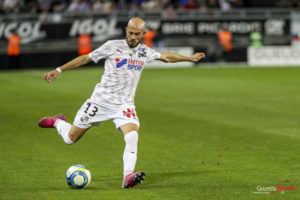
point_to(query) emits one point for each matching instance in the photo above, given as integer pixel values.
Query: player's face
(134, 36)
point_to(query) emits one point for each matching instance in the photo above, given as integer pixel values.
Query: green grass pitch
(206, 133)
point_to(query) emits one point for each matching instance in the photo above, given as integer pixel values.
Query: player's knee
(67, 140)
(75, 134)
(127, 128)
(73, 138)
(131, 137)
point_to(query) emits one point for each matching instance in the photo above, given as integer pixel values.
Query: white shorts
(91, 114)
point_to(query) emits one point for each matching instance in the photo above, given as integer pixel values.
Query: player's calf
(75, 133)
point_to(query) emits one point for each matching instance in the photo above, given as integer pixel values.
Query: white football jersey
(122, 71)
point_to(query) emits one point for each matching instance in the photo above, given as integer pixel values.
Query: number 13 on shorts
(91, 110)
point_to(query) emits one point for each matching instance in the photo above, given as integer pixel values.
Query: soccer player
(113, 97)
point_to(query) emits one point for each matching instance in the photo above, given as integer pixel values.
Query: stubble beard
(133, 46)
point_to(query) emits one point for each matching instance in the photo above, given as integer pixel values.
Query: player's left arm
(173, 57)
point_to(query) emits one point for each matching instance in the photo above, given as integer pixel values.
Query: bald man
(113, 97)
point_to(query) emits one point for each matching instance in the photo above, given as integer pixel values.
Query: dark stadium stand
(49, 29)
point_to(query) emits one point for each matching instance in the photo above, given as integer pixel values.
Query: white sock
(130, 152)
(63, 129)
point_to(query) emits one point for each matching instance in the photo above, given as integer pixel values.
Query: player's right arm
(77, 62)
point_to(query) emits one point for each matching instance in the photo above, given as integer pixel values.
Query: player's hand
(198, 56)
(50, 76)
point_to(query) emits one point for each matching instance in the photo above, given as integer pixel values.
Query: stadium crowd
(84, 6)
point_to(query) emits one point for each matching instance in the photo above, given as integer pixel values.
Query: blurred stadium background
(49, 29)
(207, 132)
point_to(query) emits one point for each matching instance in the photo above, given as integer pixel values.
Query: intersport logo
(132, 64)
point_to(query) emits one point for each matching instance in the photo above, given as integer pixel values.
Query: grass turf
(205, 134)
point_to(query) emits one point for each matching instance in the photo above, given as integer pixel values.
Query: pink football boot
(48, 122)
(133, 179)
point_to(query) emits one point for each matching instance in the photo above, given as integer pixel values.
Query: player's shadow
(155, 179)
(184, 173)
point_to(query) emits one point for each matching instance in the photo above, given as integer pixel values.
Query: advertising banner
(102, 29)
(185, 51)
(274, 56)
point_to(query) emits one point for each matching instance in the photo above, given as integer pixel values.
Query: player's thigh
(88, 115)
(127, 128)
(75, 133)
(126, 119)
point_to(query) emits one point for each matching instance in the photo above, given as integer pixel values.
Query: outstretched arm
(77, 62)
(173, 57)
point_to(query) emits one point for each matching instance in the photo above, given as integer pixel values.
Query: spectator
(74, 6)
(202, 6)
(293, 3)
(54, 3)
(97, 6)
(108, 6)
(44, 5)
(121, 5)
(138, 2)
(237, 3)
(56, 16)
(181, 2)
(190, 5)
(84, 6)
(225, 5)
(44, 16)
(11, 6)
(212, 4)
(31, 7)
(152, 5)
(169, 11)
(133, 9)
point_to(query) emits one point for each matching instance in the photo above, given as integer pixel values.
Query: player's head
(135, 31)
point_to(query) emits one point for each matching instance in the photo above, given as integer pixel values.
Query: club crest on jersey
(142, 52)
(132, 64)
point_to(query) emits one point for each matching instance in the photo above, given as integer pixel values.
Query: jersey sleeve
(102, 52)
(152, 55)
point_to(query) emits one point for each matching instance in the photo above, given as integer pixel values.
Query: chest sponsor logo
(120, 63)
(132, 64)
